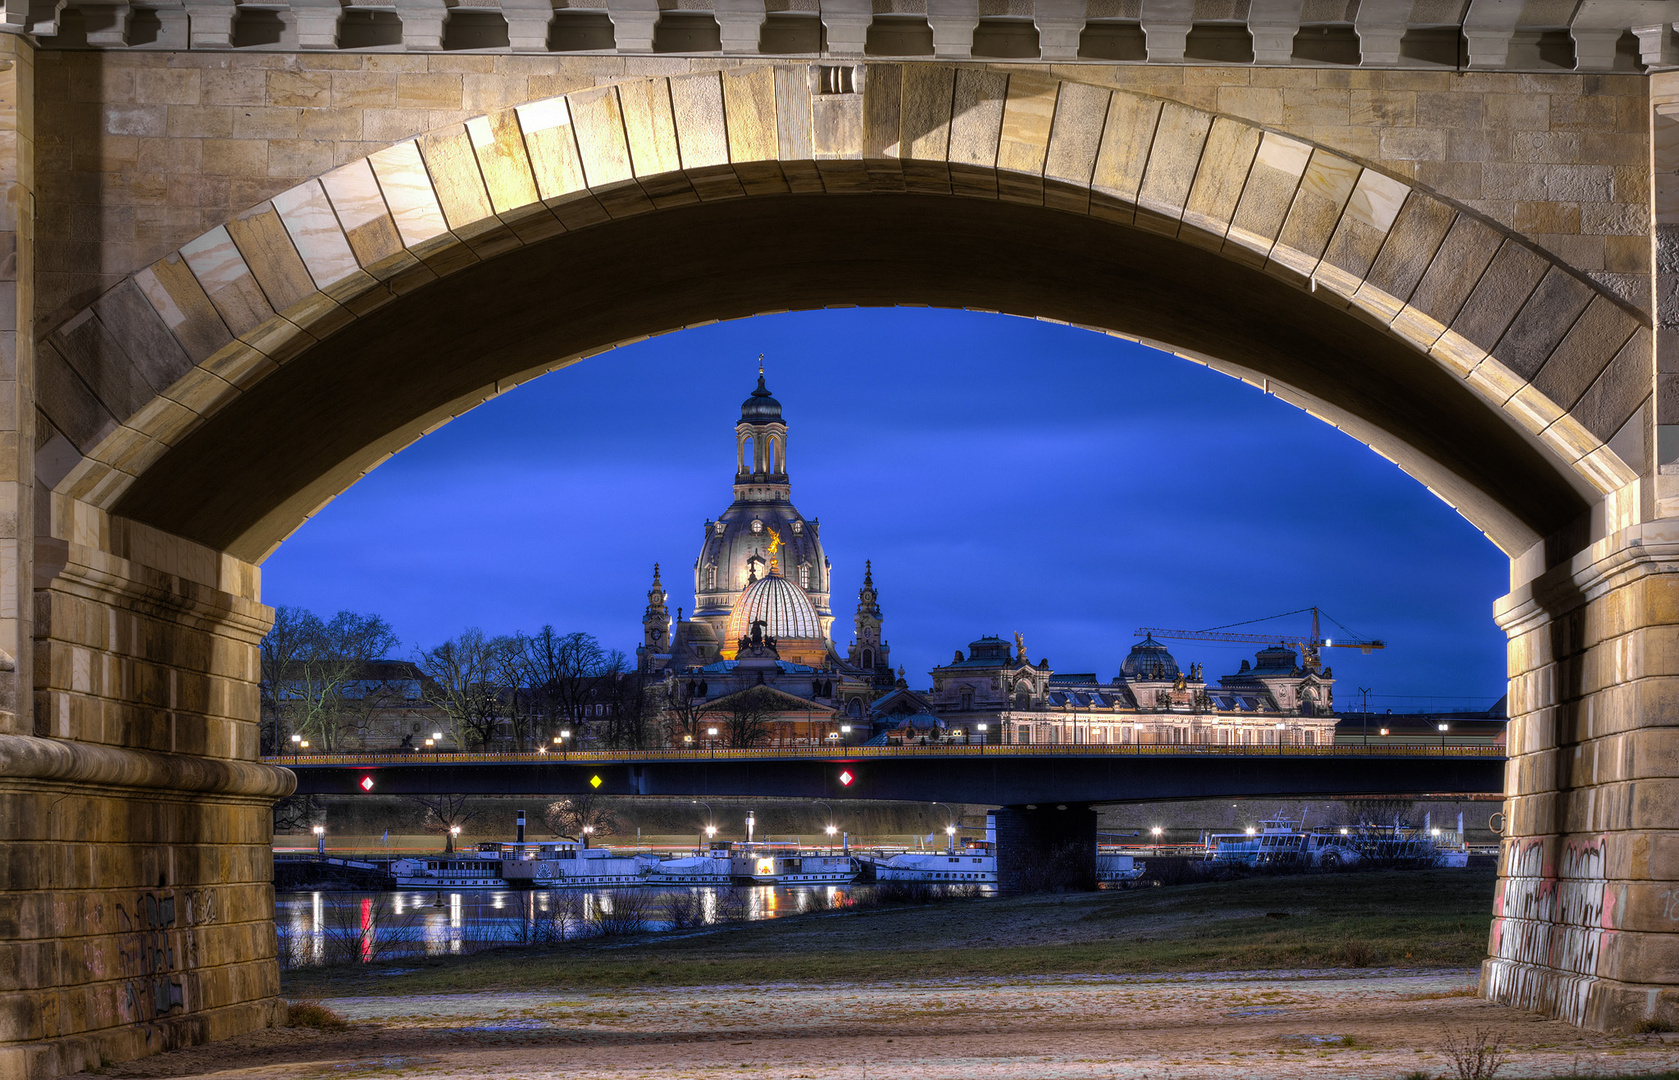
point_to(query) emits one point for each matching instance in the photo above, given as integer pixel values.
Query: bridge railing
(370, 758)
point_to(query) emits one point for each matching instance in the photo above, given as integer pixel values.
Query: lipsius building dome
(1149, 661)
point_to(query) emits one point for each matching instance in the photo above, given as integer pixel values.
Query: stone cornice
(26, 757)
(1597, 34)
(1612, 563)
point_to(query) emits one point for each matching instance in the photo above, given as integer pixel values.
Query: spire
(655, 621)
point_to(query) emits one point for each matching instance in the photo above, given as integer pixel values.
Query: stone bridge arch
(201, 409)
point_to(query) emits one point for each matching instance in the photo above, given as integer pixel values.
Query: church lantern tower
(737, 547)
(868, 651)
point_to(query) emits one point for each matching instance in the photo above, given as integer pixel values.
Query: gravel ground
(1334, 1023)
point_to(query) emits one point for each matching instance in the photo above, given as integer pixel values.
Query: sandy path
(1167, 1027)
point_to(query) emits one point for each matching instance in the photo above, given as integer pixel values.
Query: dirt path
(1378, 1024)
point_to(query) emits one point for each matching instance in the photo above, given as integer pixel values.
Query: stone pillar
(136, 897)
(17, 368)
(1586, 916)
(1045, 849)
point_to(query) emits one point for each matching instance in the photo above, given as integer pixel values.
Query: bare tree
(632, 711)
(465, 684)
(746, 716)
(562, 676)
(568, 817)
(443, 814)
(315, 676)
(684, 710)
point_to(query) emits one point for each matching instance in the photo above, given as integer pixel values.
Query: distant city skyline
(1002, 474)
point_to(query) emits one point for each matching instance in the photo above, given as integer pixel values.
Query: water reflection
(340, 927)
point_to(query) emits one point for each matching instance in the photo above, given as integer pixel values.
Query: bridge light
(845, 777)
(366, 783)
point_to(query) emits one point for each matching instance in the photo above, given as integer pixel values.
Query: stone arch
(1507, 382)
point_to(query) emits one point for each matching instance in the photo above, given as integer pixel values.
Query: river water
(340, 927)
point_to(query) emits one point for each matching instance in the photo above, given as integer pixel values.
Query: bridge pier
(1586, 923)
(1045, 848)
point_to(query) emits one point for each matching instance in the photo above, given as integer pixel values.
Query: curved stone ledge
(26, 757)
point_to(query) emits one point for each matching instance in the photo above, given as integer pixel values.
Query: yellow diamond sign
(594, 781)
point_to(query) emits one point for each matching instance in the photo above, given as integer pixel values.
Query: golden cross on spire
(760, 363)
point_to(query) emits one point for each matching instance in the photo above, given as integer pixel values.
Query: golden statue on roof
(775, 545)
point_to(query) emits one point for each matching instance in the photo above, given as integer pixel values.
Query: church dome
(1149, 660)
(760, 408)
(785, 609)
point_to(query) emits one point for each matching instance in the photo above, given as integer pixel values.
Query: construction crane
(1308, 646)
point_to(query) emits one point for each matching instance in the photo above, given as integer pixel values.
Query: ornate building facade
(761, 615)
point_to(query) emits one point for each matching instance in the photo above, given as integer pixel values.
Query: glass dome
(785, 609)
(1149, 660)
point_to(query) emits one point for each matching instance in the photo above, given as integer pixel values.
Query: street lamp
(564, 741)
(1384, 733)
(710, 819)
(950, 841)
(588, 831)
(711, 740)
(1443, 737)
(295, 739)
(430, 744)
(831, 830)
(982, 729)
(304, 744)
(454, 831)
(1156, 833)
(320, 839)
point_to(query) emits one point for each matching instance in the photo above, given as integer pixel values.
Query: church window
(855, 708)
(804, 575)
(720, 528)
(748, 463)
(711, 576)
(798, 527)
(868, 658)
(967, 698)
(757, 526)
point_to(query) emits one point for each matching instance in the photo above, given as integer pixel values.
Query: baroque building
(761, 614)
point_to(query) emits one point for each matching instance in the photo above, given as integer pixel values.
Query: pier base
(1045, 849)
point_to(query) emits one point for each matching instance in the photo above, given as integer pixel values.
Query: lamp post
(436, 745)
(711, 740)
(1443, 728)
(949, 822)
(982, 728)
(304, 744)
(320, 840)
(831, 828)
(430, 744)
(950, 839)
(295, 739)
(845, 733)
(454, 831)
(710, 818)
(588, 831)
(1279, 738)
(565, 742)
(1156, 832)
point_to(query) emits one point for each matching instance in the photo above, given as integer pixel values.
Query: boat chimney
(751, 822)
(521, 827)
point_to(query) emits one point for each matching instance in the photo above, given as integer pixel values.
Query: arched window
(868, 658)
(748, 463)
(855, 708)
(711, 576)
(773, 463)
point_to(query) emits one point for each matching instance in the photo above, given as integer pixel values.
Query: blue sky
(1003, 475)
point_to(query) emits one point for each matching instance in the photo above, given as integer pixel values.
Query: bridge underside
(993, 779)
(1458, 267)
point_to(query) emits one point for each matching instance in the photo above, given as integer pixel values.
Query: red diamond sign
(367, 783)
(845, 777)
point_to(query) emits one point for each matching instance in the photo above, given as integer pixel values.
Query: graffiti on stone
(148, 950)
(1550, 921)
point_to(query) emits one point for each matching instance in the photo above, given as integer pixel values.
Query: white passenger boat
(1284, 842)
(568, 864)
(764, 865)
(1120, 871)
(970, 866)
(459, 870)
(712, 869)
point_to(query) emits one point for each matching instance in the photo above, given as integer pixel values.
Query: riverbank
(1436, 918)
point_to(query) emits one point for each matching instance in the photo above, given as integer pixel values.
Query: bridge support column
(1045, 849)
(136, 904)
(1586, 917)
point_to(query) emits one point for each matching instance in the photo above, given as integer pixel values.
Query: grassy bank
(1428, 919)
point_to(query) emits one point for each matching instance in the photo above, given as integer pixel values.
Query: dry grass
(310, 1013)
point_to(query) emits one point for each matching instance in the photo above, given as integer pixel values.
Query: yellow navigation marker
(594, 781)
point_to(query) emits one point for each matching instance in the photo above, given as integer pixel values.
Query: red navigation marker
(845, 777)
(366, 783)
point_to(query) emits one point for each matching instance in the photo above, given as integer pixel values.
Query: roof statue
(1020, 646)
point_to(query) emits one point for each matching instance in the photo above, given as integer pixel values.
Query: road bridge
(996, 775)
(251, 251)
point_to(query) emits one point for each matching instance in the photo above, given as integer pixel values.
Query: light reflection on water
(339, 927)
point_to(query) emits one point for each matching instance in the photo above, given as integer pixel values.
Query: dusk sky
(1003, 475)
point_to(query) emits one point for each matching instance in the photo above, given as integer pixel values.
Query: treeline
(341, 683)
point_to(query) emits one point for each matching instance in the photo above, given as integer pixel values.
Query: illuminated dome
(785, 609)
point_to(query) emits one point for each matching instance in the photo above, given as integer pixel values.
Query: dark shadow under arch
(249, 474)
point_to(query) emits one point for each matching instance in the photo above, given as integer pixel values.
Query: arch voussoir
(1533, 339)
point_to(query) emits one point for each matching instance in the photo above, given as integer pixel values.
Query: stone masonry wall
(143, 151)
